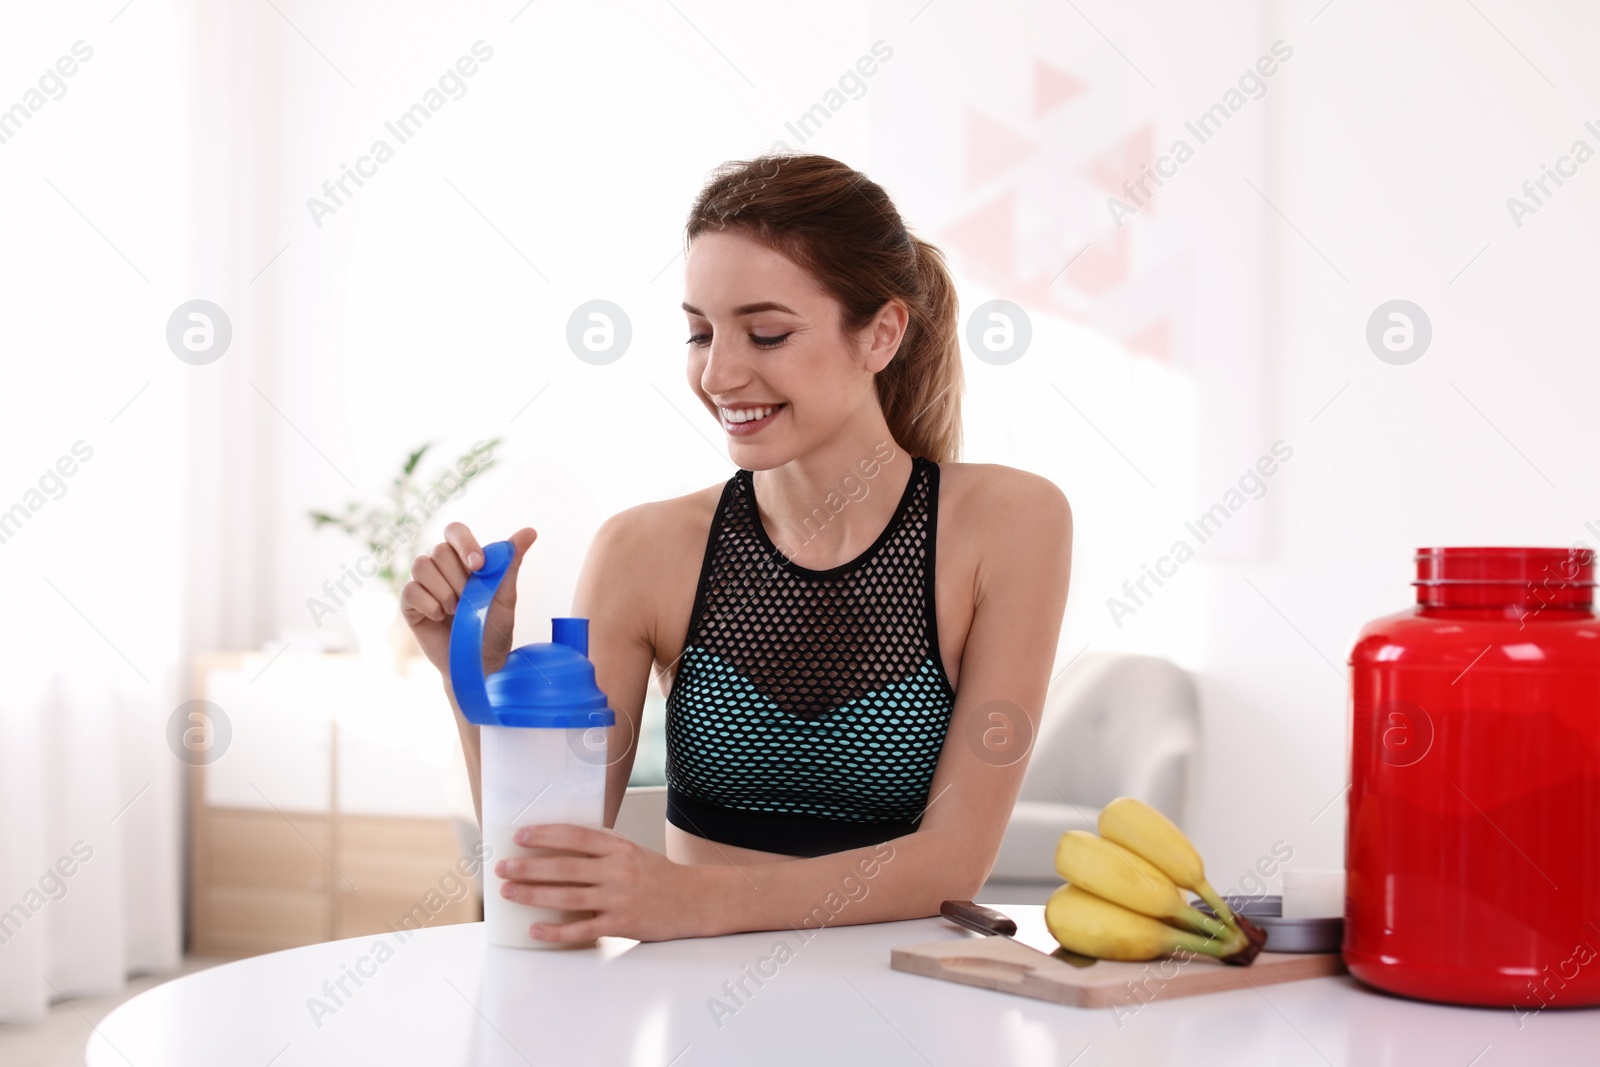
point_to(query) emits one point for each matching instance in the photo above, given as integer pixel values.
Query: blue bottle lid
(544, 685)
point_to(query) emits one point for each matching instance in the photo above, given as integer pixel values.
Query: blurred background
(259, 253)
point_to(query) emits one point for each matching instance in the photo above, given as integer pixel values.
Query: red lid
(1497, 577)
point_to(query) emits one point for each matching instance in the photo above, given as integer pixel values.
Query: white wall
(1399, 135)
(434, 304)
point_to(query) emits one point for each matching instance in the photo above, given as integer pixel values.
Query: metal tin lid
(1285, 935)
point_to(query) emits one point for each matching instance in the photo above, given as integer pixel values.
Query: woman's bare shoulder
(639, 574)
(649, 532)
(991, 494)
(1011, 527)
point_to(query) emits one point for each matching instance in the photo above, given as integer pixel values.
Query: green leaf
(415, 458)
(377, 523)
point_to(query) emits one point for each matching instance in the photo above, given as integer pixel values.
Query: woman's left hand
(632, 891)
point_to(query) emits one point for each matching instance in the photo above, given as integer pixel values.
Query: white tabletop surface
(444, 998)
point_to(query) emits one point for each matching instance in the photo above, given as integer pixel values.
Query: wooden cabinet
(281, 855)
(261, 881)
(402, 873)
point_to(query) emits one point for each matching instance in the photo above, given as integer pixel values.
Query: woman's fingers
(521, 541)
(561, 897)
(416, 603)
(582, 870)
(582, 930)
(437, 582)
(588, 840)
(426, 573)
(457, 536)
(446, 557)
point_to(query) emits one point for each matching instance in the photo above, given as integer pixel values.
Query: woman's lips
(749, 425)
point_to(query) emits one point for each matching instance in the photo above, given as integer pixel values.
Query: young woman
(857, 631)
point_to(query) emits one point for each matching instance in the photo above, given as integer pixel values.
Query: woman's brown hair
(842, 227)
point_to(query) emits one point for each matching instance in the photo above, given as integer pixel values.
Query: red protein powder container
(1472, 853)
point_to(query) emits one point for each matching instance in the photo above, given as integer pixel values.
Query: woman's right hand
(428, 601)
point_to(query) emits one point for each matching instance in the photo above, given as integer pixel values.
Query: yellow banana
(1139, 828)
(1113, 873)
(1084, 923)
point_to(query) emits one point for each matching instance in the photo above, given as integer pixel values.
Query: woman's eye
(702, 339)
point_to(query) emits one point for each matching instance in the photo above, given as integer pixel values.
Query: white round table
(442, 997)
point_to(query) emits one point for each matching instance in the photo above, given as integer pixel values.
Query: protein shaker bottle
(543, 735)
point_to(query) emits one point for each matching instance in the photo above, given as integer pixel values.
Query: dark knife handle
(977, 917)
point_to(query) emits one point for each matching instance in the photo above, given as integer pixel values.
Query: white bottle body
(528, 776)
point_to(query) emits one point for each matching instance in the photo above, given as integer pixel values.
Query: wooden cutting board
(1003, 964)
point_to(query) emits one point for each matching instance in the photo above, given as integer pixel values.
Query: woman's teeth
(738, 415)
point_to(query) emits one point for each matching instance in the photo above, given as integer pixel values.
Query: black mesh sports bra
(809, 707)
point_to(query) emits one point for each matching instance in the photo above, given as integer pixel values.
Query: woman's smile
(745, 419)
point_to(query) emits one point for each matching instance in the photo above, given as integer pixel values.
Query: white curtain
(98, 231)
(91, 860)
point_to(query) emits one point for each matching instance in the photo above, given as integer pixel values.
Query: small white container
(1313, 893)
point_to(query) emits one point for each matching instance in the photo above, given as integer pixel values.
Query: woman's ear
(884, 333)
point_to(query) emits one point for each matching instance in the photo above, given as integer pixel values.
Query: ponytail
(920, 389)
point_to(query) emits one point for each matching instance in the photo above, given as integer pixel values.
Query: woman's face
(766, 353)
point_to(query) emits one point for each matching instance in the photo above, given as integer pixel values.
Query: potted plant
(391, 531)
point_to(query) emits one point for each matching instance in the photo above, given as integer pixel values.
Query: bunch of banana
(1123, 898)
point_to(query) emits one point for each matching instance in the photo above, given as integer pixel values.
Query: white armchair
(1113, 725)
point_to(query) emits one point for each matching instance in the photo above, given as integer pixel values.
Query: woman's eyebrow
(747, 309)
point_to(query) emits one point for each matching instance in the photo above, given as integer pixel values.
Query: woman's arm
(614, 593)
(1024, 526)
(471, 742)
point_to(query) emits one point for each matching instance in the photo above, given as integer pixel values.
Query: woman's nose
(724, 369)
